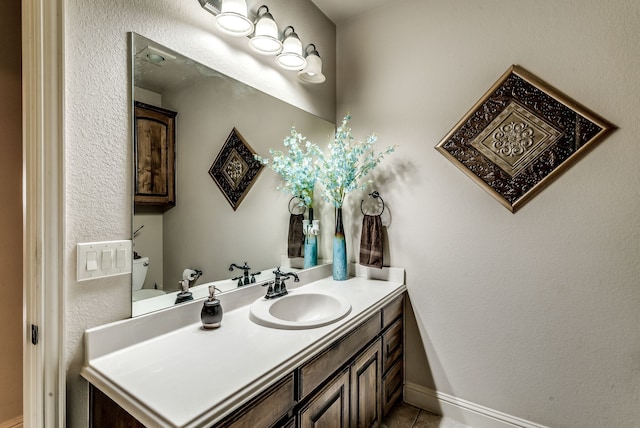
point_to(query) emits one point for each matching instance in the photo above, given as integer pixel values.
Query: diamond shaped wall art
(520, 136)
(235, 169)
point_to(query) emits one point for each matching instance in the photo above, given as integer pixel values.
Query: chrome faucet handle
(270, 291)
(277, 273)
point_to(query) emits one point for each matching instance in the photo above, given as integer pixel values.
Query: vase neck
(310, 215)
(339, 224)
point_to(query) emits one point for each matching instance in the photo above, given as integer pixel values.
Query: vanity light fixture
(265, 40)
(312, 73)
(291, 56)
(232, 18)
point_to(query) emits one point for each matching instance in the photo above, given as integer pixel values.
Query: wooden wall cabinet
(353, 382)
(155, 158)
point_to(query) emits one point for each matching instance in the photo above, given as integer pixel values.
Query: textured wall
(10, 214)
(97, 131)
(535, 314)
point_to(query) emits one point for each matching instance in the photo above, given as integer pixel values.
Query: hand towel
(371, 241)
(295, 240)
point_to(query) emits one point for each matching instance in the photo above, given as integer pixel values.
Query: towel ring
(304, 207)
(374, 195)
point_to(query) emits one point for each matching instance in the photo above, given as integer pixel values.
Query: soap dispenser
(211, 314)
(184, 295)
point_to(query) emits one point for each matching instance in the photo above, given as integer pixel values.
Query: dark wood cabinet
(353, 382)
(366, 380)
(329, 407)
(155, 157)
(392, 351)
(266, 410)
(105, 413)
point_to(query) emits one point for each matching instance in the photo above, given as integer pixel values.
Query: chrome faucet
(243, 279)
(277, 287)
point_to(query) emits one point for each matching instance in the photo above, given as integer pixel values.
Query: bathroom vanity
(147, 372)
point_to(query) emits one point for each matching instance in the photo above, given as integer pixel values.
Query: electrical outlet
(106, 258)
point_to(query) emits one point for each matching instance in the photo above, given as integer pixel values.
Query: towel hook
(304, 207)
(374, 195)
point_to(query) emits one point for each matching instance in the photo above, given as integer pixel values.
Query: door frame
(44, 373)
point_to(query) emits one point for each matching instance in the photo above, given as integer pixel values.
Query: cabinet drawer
(392, 311)
(313, 373)
(391, 345)
(391, 387)
(266, 409)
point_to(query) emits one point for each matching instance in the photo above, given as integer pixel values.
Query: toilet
(140, 267)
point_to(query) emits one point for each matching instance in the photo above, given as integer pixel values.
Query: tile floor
(404, 415)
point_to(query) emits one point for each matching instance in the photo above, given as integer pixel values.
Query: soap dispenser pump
(211, 314)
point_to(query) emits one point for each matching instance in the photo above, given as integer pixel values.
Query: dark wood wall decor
(520, 136)
(154, 153)
(235, 169)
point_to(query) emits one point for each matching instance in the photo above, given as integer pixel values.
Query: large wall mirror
(201, 230)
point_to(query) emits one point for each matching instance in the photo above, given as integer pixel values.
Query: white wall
(97, 131)
(534, 314)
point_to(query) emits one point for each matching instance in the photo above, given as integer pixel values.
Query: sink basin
(300, 310)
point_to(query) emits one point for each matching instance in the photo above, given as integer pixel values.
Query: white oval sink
(300, 310)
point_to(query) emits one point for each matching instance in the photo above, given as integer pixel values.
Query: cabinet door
(105, 413)
(154, 157)
(329, 408)
(366, 376)
(391, 387)
(392, 345)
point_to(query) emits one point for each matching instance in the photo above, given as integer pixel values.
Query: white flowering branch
(296, 167)
(346, 164)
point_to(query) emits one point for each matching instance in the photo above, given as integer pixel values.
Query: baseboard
(463, 411)
(13, 423)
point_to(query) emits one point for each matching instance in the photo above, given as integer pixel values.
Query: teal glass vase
(310, 250)
(310, 242)
(339, 249)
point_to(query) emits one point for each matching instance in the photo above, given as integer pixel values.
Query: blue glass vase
(339, 249)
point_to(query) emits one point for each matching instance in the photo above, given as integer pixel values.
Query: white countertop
(191, 377)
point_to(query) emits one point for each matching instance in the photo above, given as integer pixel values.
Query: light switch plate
(101, 259)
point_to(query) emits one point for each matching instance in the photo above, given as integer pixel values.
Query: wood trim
(43, 235)
(13, 423)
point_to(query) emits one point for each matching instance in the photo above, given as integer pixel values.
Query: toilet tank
(140, 267)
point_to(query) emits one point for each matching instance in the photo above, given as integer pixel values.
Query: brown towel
(371, 241)
(296, 236)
